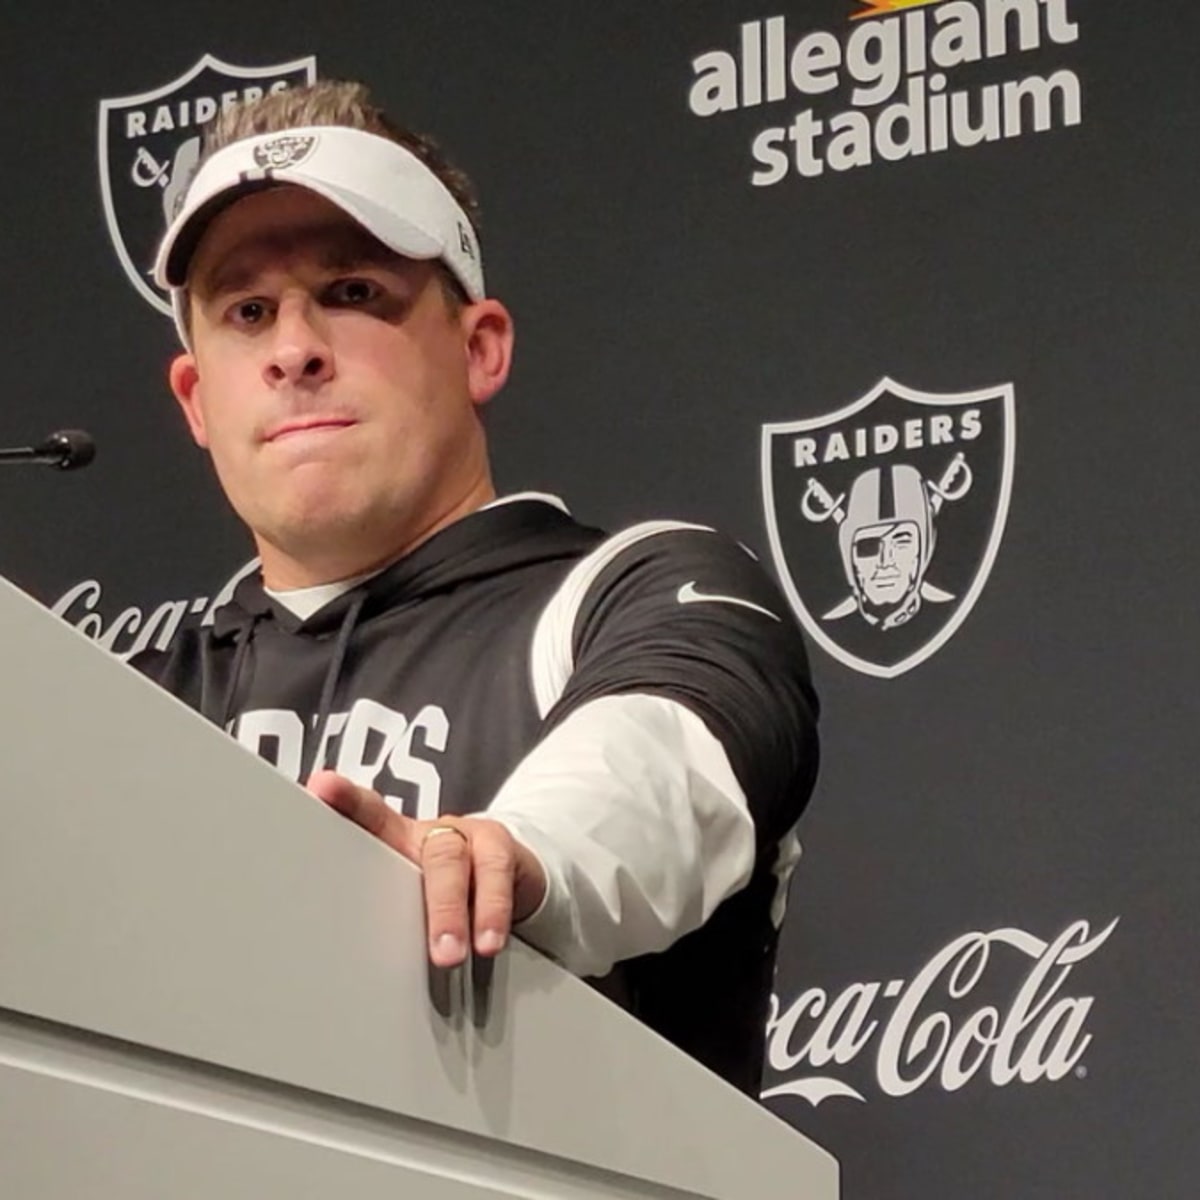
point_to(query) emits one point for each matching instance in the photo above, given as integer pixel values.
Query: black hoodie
(435, 678)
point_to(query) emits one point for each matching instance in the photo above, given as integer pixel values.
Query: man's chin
(310, 531)
(329, 530)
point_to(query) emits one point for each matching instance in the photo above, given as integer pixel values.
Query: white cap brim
(380, 184)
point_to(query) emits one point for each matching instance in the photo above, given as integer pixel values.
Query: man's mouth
(313, 424)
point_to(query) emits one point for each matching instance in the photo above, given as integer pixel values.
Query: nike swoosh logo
(688, 595)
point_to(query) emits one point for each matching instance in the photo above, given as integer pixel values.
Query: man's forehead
(253, 236)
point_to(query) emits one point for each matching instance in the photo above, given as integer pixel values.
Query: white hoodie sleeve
(639, 822)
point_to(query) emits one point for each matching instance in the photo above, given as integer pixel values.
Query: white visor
(384, 187)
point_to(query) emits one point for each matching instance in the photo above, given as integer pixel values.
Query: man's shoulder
(662, 584)
(676, 562)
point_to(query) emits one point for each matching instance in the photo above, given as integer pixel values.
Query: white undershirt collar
(303, 602)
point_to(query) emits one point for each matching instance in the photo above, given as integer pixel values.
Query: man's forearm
(639, 822)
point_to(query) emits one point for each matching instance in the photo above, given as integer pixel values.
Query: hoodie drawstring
(241, 648)
(329, 687)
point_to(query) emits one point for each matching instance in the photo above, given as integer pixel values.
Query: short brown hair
(337, 102)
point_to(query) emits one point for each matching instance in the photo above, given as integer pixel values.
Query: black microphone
(67, 449)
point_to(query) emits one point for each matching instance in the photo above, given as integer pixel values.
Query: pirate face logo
(287, 150)
(884, 518)
(149, 148)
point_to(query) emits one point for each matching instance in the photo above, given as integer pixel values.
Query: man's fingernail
(449, 947)
(490, 941)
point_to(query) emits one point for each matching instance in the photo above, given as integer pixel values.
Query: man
(601, 743)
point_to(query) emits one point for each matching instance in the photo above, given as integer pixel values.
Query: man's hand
(469, 863)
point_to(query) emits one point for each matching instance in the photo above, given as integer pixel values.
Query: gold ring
(434, 830)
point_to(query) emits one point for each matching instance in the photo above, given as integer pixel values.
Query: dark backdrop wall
(901, 295)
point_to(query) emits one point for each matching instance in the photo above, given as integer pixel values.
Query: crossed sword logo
(148, 171)
(819, 506)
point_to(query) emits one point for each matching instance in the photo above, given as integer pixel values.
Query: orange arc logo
(883, 8)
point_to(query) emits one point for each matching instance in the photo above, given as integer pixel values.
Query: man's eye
(248, 312)
(353, 291)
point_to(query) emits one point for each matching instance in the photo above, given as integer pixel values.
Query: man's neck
(284, 571)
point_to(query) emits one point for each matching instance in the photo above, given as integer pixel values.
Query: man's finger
(347, 798)
(493, 863)
(472, 868)
(369, 809)
(445, 859)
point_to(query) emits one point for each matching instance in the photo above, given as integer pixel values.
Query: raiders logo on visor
(287, 150)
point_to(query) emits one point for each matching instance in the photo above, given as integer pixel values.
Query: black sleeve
(689, 615)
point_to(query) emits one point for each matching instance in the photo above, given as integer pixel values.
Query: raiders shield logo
(287, 150)
(149, 145)
(885, 517)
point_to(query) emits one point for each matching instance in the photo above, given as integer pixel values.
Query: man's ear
(184, 378)
(488, 326)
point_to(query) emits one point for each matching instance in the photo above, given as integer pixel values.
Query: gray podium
(213, 987)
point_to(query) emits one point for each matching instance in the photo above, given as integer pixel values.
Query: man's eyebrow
(336, 248)
(356, 248)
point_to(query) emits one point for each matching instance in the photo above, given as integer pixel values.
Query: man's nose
(300, 349)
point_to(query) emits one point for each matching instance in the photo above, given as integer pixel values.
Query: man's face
(335, 386)
(887, 562)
